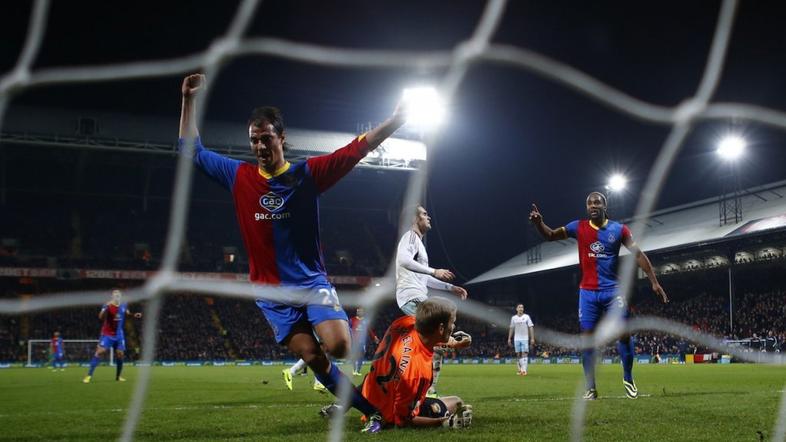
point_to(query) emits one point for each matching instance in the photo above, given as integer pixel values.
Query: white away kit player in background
(522, 331)
(414, 277)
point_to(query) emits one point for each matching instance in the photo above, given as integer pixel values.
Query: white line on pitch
(568, 398)
(175, 408)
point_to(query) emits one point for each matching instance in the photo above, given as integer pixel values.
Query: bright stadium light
(731, 147)
(425, 108)
(617, 183)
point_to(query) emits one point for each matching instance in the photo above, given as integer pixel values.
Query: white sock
(518, 363)
(297, 367)
(524, 361)
(436, 364)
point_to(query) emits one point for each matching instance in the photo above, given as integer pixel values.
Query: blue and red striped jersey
(599, 250)
(278, 214)
(114, 320)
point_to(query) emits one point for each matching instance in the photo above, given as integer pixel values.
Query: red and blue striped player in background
(360, 331)
(277, 208)
(113, 318)
(599, 240)
(57, 351)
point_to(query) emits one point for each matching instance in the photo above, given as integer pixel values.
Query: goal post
(76, 351)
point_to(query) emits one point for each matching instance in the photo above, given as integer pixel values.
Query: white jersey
(521, 325)
(413, 275)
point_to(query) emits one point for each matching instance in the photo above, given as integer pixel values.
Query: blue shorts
(594, 303)
(116, 342)
(315, 306)
(521, 346)
(361, 344)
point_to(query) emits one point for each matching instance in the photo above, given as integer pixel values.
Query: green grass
(695, 402)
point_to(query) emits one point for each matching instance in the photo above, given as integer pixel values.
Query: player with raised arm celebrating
(521, 335)
(599, 240)
(414, 276)
(113, 316)
(277, 208)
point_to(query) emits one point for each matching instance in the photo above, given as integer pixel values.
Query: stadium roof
(145, 134)
(764, 208)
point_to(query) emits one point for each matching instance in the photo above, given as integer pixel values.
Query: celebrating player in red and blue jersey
(599, 241)
(113, 316)
(57, 351)
(277, 208)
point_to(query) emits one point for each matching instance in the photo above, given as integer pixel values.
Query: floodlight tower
(730, 149)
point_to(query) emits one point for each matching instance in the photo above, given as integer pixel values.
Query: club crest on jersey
(597, 247)
(612, 238)
(271, 202)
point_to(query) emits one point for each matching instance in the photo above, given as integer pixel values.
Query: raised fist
(193, 85)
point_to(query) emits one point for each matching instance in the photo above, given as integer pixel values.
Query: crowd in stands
(124, 238)
(111, 211)
(188, 330)
(195, 327)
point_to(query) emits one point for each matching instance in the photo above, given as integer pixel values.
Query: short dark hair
(431, 313)
(271, 115)
(267, 114)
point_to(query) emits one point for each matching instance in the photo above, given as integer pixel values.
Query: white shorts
(521, 346)
(410, 307)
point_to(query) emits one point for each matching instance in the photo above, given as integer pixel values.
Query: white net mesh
(477, 49)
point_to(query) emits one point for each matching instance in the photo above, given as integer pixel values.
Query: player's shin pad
(462, 418)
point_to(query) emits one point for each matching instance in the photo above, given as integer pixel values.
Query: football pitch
(678, 402)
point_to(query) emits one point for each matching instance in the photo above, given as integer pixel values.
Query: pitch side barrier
(641, 359)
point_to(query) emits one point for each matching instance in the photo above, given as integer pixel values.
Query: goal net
(478, 48)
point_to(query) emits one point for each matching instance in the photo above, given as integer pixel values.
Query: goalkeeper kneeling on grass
(401, 371)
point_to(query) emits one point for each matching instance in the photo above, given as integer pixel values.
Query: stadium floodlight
(425, 108)
(617, 183)
(731, 147)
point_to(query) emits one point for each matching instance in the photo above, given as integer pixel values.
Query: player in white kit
(522, 334)
(414, 276)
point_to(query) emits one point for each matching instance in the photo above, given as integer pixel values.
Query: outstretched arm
(376, 136)
(405, 257)
(218, 167)
(137, 315)
(435, 283)
(645, 264)
(545, 231)
(328, 169)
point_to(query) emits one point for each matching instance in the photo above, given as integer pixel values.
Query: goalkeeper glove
(460, 336)
(460, 340)
(462, 418)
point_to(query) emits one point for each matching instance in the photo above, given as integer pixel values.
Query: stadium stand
(107, 208)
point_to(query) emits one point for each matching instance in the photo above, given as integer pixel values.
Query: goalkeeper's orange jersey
(401, 373)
